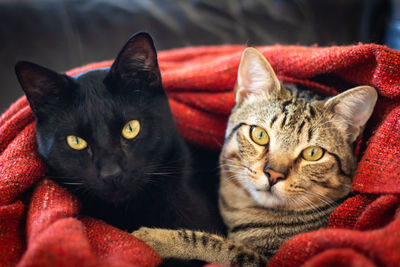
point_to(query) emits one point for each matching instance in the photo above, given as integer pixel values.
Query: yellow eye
(259, 135)
(76, 142)
(131, 129)
(312, 153)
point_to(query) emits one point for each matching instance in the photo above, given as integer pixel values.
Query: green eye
(312, 153)
(259, 135)
(76, 142)
(131, 129)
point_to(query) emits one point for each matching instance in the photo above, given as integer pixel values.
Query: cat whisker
(160, 173)
(228, 159)
(62, 177)
(238, 171)
(315, 207)
(237, 164)
(172, 169)
(304, 201)
(310, 204)
(238, 175)
(324, 199)
(230, 165)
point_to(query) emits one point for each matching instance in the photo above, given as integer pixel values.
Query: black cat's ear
(137, 58)
(41, 85)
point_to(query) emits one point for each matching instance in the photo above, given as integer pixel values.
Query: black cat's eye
(131, 129)
(76, 142)
(259, 135)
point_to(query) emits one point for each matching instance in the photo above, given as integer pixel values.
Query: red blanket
(38, 219)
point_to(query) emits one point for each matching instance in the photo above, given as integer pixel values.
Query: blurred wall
(65, 34)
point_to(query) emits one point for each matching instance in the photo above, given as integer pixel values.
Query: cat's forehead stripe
(273, 120)
(309, 136)
(301, 127)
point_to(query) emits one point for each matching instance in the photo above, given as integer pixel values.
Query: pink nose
(273, 176)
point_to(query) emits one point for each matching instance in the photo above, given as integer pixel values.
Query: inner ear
(353, 108)
(255, 76)
(137, 57)
(42, 86)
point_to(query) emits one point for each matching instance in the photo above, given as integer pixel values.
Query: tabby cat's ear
(42, 86)
(255, 76)
(138, 59)
(352, 109)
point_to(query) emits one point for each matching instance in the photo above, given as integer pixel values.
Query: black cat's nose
(273, 175)
(110, 171)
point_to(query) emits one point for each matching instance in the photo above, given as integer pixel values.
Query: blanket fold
(40, 223)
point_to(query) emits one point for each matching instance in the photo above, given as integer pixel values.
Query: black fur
(154, 184)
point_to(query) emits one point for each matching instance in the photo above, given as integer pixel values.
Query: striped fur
(261, 215)
(187, 244)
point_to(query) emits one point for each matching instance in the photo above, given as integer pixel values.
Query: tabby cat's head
(289, 148)
(107, 131)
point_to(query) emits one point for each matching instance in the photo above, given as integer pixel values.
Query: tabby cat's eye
(259, 135)
(76, 142)
(312, 153)
(131, 129)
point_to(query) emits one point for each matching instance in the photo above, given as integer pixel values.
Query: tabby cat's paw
(158, 239)
(144, 234)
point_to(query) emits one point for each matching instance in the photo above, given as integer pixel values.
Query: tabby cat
(109, 137)
(286, 164)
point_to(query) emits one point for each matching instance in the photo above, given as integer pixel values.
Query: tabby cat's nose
(273, 176)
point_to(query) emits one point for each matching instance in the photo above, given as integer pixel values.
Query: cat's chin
(268, 199)
(116, 197)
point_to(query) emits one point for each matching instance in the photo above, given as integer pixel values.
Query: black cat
(109, 137)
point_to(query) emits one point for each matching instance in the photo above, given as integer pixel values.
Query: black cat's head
(107, 132)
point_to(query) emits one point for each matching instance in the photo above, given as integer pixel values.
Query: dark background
(68, 33)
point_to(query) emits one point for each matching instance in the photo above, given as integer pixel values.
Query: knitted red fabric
(38, 223)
